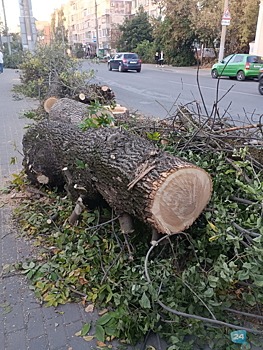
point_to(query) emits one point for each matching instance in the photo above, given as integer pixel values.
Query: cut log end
(50, 103)
(180, 199)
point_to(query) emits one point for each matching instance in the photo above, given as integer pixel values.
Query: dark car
(260, 81)
(239, 66)
(124, 61)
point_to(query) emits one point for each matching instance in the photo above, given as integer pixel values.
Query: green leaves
(46, 64)
(204, 266)
(154, 136)
(98, 116)
(134, 31)
(100, 333)
(85, 329)
(145, 302)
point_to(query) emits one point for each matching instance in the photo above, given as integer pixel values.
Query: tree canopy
(134, 31)
(184, 22)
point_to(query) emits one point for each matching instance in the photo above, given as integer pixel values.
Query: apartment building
(92, 22)
(152, 7)
(43, 32)
(95, 22)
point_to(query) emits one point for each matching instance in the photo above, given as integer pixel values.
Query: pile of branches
(188, 129)
(211, 272)
(95, 93)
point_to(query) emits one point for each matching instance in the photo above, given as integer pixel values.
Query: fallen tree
(129, 172)
(214, 268)
(71, 111)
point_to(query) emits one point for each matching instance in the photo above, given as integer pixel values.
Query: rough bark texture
(71, 111)
(68, 110)
(130, 173)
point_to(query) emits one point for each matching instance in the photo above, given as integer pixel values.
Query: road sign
(226, 18)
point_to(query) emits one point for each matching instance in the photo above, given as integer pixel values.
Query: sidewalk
(25, 324)
(190, 69)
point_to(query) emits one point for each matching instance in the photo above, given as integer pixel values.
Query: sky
(41, 10)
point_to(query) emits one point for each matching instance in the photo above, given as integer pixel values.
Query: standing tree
(243, 25)
(58, 30)
(206, 21)
(134, 31)
(187, 21)
(175, 33)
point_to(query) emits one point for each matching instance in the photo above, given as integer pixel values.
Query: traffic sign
(226, 18)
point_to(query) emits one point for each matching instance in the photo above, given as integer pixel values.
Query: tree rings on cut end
(180, 199)
(49, 103)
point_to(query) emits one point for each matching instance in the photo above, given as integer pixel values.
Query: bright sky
(41, 10)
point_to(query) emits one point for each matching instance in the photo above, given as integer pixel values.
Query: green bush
(50, 71)
(146, 50)
(14, 60)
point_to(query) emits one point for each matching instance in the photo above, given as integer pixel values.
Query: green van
(239, 66)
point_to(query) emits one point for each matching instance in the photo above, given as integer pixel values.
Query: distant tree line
(184, 24)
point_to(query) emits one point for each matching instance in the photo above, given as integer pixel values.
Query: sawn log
(129, 172)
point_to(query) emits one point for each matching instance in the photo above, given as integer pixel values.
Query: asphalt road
(158, 91)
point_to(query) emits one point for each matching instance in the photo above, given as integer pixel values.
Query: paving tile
(16, 340)
(39, 343)
(14, 320)
(35, 324)
(71, 312)
(56, 335)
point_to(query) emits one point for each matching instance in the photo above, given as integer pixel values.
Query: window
(131, 56)
(237, 59)
(254, 59)
(229, 59)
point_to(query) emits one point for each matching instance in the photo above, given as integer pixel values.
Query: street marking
(213, 88)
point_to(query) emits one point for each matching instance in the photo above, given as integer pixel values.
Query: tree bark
(129, 172)
(68, 110)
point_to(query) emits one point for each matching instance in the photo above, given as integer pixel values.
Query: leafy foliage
(134, 31)
(175, 33)
(146, 51)
(210, 267)
(58, 30)
(186, 22)
(13, 60)
(98, 116)
(49, 71)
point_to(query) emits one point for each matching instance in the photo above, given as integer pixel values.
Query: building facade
(43, 32)
(258, 45)
(94, 23)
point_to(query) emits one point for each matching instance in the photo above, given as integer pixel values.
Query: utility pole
(27, 25)
(6, 29)
(223, 34)
(97, 28)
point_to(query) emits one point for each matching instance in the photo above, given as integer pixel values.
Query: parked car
(260, 81)
(124, 61)
(239, 66)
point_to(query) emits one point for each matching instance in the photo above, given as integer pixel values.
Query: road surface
(158, 91)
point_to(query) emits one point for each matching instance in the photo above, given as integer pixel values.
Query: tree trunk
(130, 173)
(68, 110)
(71, 111)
